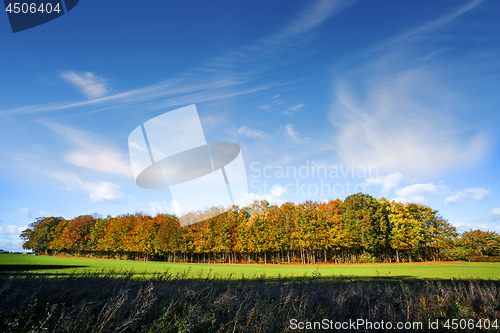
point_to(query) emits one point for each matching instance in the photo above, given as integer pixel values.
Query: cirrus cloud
(88, 83)
(91, 154)
(24, 212)
(494, 214)
(399, 111)
(470, 194)
(98, 192)
(246, 132)
(415, 193)
(387, 182)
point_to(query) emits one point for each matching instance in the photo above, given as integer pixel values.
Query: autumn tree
(437, 235)
(40, 234)
(76, 235)
(166, 241)
(406, 232)
(480, 243)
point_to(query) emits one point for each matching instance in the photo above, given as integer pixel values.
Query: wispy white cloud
(291, 133)
(183, 90)
(274, 197)
(387, 182)
(213, 119)
(245, 131)
(414, 189)
(102, 159)
(470, 194)
(98, 192)
(393, 129)
(494, 214)
(294, 136)
(415, 193)
(273, 105)
(91, 154)
(89, 84)
(423, 30)
(165, 207)
(310, 18)
(465, 226)
(293, 110)
(24, 212)
(396, 112)
(10, 243)
(11, 230)
(296, 107)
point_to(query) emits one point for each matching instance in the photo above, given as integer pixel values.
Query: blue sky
(396, 99)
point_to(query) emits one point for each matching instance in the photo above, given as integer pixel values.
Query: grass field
(53, 294)
(19, 264)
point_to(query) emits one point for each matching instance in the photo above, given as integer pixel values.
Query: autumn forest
(359, 229)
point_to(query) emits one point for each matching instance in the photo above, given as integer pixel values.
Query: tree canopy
(359, 229)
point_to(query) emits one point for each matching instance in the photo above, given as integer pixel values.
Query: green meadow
(69, 294)
(61, 266)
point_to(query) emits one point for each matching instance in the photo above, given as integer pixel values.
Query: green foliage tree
(480, 243)
(39, 235)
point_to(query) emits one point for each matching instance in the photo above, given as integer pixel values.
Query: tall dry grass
(112, 302)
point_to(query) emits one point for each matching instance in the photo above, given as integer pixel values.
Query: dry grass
(108, 302)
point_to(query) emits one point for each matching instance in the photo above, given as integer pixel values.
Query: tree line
(359, 229)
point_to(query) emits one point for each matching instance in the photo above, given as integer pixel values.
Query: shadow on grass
(32, 269)
(392, 279)
(72, 272)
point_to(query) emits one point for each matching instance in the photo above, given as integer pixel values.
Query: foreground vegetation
(104, 302)
(360, 229)
(67, 294)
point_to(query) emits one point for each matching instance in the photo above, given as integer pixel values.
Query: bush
(367, 258)
(112, 303)
(456, 253)
(486, 259)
